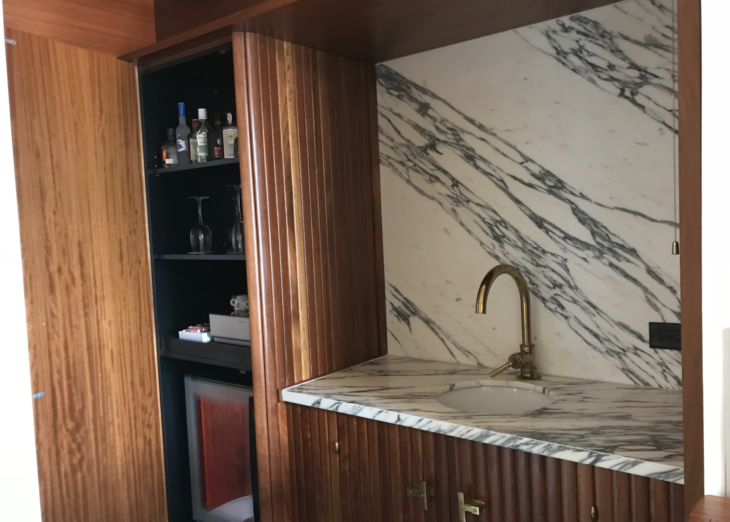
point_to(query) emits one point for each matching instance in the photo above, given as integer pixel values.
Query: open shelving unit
(188, 287)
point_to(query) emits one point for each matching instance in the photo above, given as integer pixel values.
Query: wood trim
(185, 49)
(690, 207)
(225, 23)
(81, 202)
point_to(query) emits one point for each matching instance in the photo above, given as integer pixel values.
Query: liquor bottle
(193, 143)
(203, 135)
(181, 136)
(169, 150)
(216, 138)
(230, 135)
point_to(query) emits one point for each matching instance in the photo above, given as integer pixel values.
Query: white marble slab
(636, 430)
(549, 148)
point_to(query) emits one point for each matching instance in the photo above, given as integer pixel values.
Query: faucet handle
(514, 362)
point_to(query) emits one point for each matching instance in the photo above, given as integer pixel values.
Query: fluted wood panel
(314, 248)
(513, 484)
(87, 282)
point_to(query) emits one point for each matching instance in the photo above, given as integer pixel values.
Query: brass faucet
(524, 360)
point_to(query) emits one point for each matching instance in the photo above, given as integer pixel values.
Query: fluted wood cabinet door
(361, 470)
(76, 140)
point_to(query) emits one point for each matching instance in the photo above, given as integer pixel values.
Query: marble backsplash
(549, 148)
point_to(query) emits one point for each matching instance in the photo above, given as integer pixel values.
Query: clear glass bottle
(169, 150)
(230, 135)
(182, 134)
(203, 135)
(216, 138)
(193, 143)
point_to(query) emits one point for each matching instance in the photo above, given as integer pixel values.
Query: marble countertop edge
(653, 470)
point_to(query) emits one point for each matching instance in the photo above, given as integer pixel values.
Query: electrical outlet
(665, 336)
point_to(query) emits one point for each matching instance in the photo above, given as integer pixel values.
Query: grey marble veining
(548, 148)
(636, 430)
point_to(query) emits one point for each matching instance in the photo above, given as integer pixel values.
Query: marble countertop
(620, 427)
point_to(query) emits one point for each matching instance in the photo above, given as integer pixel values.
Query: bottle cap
(181, 109)
(202, 114)
(229, 116)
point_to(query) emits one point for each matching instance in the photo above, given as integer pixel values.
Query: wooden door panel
(378, 461)
(75, 120)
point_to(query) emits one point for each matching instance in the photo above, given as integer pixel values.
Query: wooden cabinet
(369, 477)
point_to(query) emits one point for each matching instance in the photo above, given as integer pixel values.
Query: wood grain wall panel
(509, 485)
(442, 493)
(87, 281)
(690, 230)
(494, 481)
(676, 503)
(308, 179)
(524, 486)
(112, 27)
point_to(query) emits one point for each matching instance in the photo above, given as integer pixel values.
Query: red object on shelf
(224, 450)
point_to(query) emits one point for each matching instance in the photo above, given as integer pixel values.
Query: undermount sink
(496, 398)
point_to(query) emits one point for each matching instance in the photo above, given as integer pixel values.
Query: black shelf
(200, 257)
(193, 166)
(217, 354)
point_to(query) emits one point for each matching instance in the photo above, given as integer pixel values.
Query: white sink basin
(496, 397)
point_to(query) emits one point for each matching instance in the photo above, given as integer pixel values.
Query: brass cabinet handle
(594, 514)
(468, 506)
(422, 491)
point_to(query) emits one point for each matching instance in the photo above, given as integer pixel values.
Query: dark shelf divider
(202, 257)
(217, 354)
(193, 166)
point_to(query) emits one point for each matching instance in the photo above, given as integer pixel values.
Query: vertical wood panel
(569, 473)
(87, 279)
(397, 486)
(659, 504)
(690, 229)
(386, 472)
(676, 503)
(494, 482)
(509, 485)
(429, 474)
(604, 494)
(443, 495)
(452, 460)
(586, 494)
(538, 482)
(417, 461)
(640, 510)
(311, 238)
(621, 496)
(553, 490)
(524, 492)
(481, 481)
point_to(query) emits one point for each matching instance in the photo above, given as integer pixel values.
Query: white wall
(19, 495)
(715, 243)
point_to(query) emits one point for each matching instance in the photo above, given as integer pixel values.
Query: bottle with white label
(181, 136)
(193, 143)
(230, 135)
(202, 136)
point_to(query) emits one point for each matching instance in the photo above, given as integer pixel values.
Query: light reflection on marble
(620, 427)
(548, 148)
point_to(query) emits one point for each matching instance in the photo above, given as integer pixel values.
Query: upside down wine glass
(237, 228)
(201, 237)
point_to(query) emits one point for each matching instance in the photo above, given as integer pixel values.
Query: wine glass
(201, 237)
(236, 231)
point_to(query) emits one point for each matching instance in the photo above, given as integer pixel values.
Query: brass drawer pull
(422, 491)
(468, 506)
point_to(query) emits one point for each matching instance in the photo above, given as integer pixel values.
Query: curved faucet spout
(526, 363)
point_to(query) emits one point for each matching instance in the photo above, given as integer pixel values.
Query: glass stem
(200, 211)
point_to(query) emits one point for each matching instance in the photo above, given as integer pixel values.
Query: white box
(198, 337)
(230, 327)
